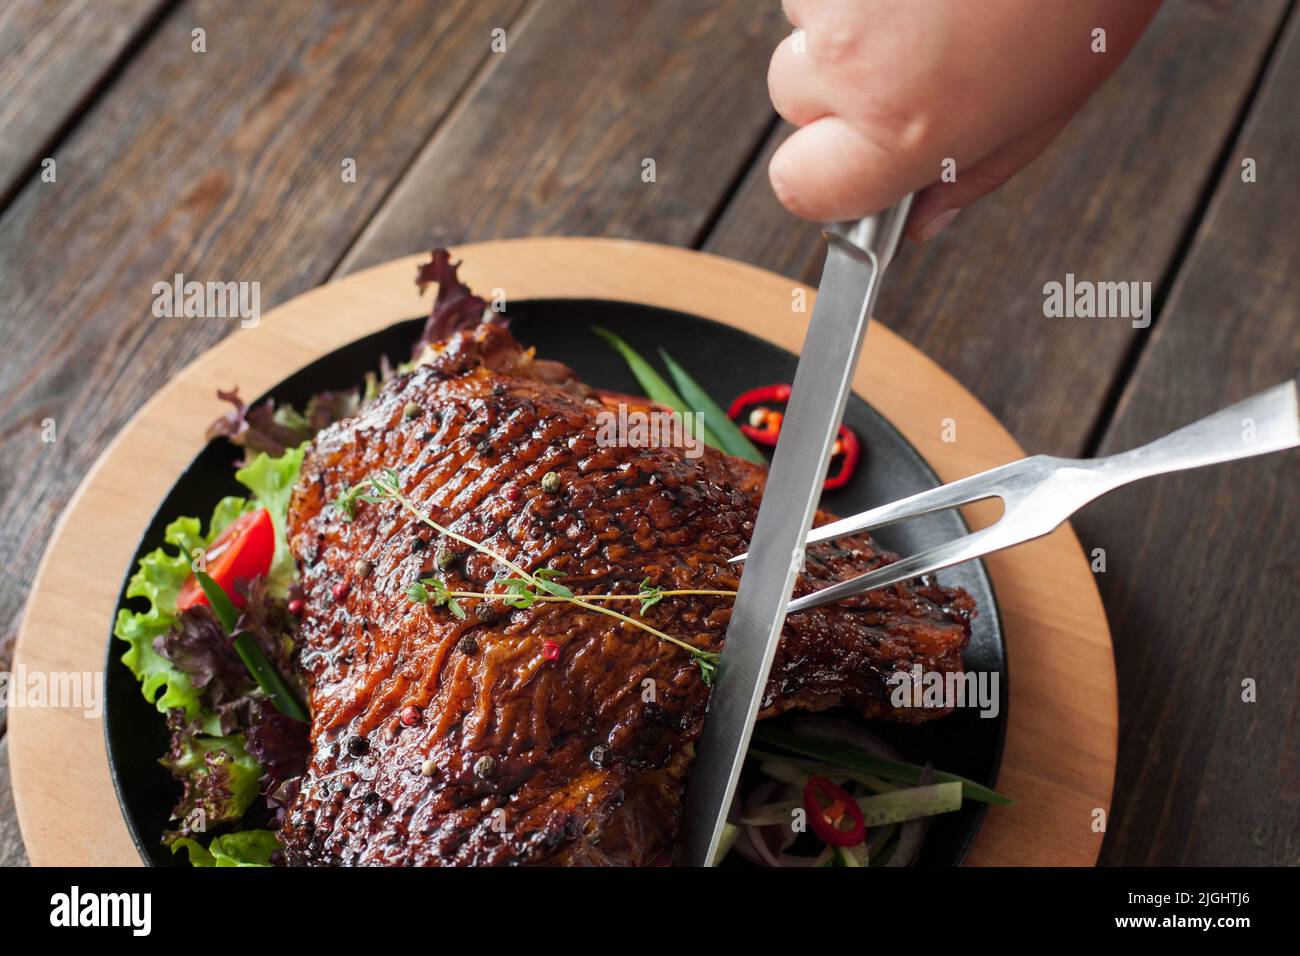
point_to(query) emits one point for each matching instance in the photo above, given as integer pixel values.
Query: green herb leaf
(346, 503)
(656, 388)
(708, 669)
(225, 609)
(649, 595)
(435, 591)
(730, 438)
(520, 593)
(268, 678)
(853, 759)
(545, 578)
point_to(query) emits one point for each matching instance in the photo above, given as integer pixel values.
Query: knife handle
(880, 234)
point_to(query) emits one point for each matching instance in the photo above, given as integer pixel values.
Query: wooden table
(226, 165)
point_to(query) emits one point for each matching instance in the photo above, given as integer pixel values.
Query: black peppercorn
(484, 767)
(468, 645)
(358, 746)
(488, 612)
(599, 756)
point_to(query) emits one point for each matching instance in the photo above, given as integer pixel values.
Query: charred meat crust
(439, 741)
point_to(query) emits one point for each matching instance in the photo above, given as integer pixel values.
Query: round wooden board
(1059, 760)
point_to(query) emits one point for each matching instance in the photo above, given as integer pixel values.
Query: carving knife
(856, 257)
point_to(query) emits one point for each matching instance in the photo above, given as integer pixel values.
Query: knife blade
(846, 294)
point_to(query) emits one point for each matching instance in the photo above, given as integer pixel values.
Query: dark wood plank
(53, 56)
(11, 840)
(222, 166)
(1203, 570)
(1109, 201)
(554, 139)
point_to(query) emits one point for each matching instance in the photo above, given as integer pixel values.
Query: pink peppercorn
(297, 606)
(340, 590)
(512, 493)
(551, 651)
(410, 715)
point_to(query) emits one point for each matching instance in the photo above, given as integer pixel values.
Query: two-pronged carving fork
(1041, 492)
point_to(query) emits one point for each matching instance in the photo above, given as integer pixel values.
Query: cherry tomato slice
(241, 552)
(828, 805)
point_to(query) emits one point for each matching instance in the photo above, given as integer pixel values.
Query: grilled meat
(546, 735)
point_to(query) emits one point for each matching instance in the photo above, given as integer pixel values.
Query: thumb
(940, 202)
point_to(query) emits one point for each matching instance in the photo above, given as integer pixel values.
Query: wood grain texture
(1060, 747)
(1203, 568)
(1110, 200)
(222, 166)
(553, 140)
(12, 852)
(53, 56)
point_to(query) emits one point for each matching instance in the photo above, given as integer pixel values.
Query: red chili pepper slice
(764, 426)
(242, 551)
(849, 450)
(827, 818)
(757, 396)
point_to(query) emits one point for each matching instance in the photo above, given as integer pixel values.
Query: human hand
(889, 95)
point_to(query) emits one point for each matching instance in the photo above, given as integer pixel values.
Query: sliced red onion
(910, 835)
(745, 848)
(877, 837)
(758, 840)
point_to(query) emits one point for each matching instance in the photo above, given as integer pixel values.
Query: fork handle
(1264, 423)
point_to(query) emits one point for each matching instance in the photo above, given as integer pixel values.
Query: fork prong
(964, 491)
(968, 546)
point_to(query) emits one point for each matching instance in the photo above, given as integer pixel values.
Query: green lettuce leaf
(219, 777)
(271, 481)
(246, 848)
(159, 579)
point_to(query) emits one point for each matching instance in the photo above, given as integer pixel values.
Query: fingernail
(928, 230)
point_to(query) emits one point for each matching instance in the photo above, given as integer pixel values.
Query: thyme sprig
(522, 588)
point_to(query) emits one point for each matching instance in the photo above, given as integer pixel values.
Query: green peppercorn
(550, 482)
(363, 568)
(411, 410)
(444, 557)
